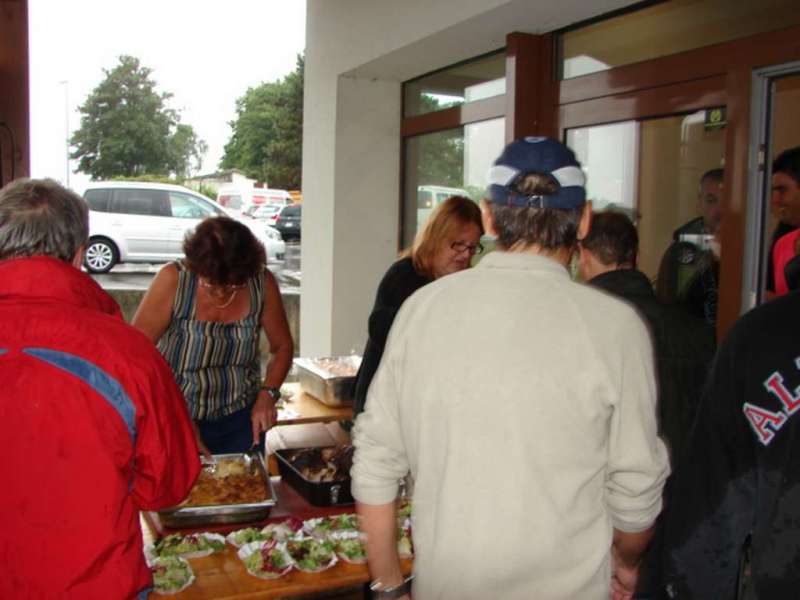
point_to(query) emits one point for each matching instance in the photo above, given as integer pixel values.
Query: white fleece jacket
(523, 404)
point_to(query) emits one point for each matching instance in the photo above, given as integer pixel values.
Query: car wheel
(100, 256)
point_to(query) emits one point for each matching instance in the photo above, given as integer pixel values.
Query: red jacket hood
(45, 278)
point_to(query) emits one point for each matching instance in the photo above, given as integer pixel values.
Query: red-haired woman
(206, 313)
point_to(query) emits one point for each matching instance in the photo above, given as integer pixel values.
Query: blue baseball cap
(543, 156)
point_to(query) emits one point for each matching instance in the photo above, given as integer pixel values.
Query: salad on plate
(349, 546)
(284, 530)
(247, 535)
(171, 574)
(324, 526)
(193, 545)
(311, 555)
(267, 560)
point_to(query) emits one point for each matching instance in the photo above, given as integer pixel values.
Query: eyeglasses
(226, 286)
(460, 247)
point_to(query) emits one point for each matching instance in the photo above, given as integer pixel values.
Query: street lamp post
(65, 83)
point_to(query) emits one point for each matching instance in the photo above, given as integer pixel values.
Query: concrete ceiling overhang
(479, 34)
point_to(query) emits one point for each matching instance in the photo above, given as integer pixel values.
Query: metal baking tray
(194, 516)
(329, 388)
(318, 493)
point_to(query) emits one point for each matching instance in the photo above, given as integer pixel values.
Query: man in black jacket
(689, 271)
(683, 344)
(742, 475)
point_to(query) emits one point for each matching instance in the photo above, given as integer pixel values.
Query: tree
(127, 130)
(441, 154)
(441, 159)
(267, 138)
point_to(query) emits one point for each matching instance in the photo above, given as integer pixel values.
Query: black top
(400, 281)
(689, 277)
(684, 346)
(742, 472)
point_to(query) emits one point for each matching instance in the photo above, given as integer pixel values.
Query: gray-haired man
(522, 403)
(94, 428)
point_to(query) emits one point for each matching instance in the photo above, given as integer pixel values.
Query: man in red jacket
(93, 427)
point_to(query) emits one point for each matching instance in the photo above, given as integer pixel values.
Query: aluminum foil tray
(195, 516)
(330, 379)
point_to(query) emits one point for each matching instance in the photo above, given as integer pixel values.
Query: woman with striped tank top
(205, 314)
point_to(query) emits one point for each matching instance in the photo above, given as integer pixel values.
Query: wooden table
(222, 576)
(311, 410)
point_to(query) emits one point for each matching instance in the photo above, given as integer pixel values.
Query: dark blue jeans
(228, 435)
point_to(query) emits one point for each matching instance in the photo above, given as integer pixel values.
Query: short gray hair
(41, 217)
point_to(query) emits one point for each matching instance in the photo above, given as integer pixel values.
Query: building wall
(358, 53)
(14, 109)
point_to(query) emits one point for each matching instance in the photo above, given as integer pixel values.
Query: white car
(264, 212)
(147, 222)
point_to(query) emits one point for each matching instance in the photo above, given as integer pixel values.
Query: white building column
(352, 146)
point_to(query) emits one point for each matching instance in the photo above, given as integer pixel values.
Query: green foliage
(147, 178)
(474, 192)
(267, 138)
(207, 191)
(127, 130)
(441, 159)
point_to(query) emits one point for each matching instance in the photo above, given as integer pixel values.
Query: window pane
(185, 206)
(98, 199)
(608, 154)
(447, 163)
(668, 28)
(141, 202)
(475, 80)
(652, 171)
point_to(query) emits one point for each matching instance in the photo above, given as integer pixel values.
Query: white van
(241, 199)
(430, 196)
(146, 222)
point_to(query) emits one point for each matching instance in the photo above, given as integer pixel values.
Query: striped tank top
(216, 365)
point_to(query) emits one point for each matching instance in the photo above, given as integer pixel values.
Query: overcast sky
(206, 53)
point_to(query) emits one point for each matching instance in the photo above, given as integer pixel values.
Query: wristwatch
(396, 591)
(274, 393)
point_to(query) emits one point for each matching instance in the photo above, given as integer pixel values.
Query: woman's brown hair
(224, 251)
(452, 214)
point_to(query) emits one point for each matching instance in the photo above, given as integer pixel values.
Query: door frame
(759, 168)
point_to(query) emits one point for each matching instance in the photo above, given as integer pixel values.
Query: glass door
(773, 197)
(666, 174)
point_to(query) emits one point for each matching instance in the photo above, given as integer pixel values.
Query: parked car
(264, 212)
(147, 222)
(289, 221)
(239, 198)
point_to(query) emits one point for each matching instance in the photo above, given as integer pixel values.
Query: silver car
(147, 222)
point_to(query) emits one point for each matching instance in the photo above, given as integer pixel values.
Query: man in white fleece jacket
(523, 405)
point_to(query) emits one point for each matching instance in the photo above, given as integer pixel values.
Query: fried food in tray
(322, 464)
(230, 483)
